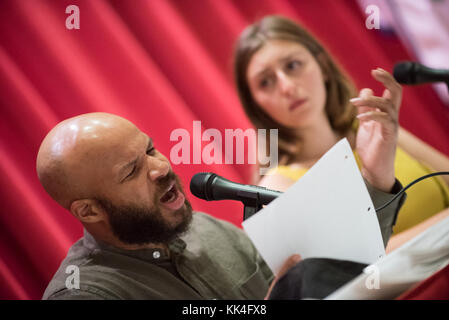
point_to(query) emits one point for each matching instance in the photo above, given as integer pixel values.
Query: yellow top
(424, 199)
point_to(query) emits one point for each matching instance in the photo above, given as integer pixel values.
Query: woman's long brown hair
(339, 88)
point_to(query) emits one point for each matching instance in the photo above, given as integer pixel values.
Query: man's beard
(133, 224)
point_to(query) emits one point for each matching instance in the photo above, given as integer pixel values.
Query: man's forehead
(108, 152)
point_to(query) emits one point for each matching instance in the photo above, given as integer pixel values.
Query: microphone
(408, 72)
(209, 186)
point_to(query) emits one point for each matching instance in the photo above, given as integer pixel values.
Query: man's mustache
(164, 182)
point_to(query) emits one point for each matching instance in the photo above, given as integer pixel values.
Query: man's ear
(87, 210)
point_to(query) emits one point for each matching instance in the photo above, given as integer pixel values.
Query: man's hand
(288, 264)
(378, 130)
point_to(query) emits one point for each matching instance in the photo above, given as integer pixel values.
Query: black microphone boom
(209, 186)
(408, 72)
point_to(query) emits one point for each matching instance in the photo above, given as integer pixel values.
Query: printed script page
(328, 213)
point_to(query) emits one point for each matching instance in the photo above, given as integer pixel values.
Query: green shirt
(219, 262)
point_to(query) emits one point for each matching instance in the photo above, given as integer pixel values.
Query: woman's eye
(266, 82)
(293, 65)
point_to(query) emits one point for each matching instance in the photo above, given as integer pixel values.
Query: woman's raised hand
(378, 130)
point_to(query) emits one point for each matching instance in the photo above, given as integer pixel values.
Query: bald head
(73, 155)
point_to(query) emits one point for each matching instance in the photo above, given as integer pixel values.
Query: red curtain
(162, 65)
(435, 287)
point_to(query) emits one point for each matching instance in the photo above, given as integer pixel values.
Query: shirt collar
(154, 255)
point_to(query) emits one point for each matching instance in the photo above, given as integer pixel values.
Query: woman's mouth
(173, 199)
(296, 104)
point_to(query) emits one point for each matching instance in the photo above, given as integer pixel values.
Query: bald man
(108, 174)
(141, 239)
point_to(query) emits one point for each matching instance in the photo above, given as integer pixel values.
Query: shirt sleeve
(387, 216)
(80, 294)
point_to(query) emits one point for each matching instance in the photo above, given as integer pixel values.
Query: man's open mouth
(173, 198)
(171, 194)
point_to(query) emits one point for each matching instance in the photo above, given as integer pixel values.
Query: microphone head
(199, 185)
(404, 72)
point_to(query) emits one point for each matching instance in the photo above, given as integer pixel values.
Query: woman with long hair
(287, 80)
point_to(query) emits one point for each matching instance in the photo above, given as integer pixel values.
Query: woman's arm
(423, 152)
(398, 240)
(276, 181)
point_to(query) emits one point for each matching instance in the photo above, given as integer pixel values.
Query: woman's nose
(157, 168)
(286, 84)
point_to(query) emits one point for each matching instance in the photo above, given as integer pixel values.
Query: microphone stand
(248, 210)
(251, 204)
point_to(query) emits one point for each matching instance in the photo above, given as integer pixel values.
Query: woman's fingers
(371, 107)
(289, 263)
(394, 89)
(375, 102)
(361, 110)
(379, 117)
(365, 93)
(374, 115)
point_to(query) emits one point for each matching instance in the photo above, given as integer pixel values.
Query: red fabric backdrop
(161, 64)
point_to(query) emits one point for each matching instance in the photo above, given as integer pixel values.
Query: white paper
(328, 213)
(406, 266)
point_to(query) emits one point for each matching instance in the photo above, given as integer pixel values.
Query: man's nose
(286, 84)
(157, 168)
